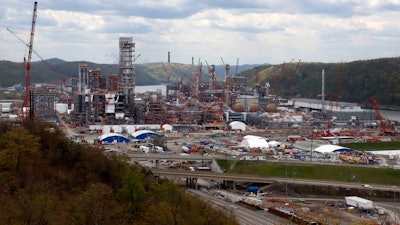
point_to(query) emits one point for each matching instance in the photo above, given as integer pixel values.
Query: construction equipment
(386, 126)
(27, 63)
(213, 78)
(226, 83)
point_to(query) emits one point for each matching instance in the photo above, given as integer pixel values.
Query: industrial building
(94, 99)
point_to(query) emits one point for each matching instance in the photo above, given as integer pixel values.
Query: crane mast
(27, 63)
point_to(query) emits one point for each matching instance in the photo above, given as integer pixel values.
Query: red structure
(27, 63)
(385, 126)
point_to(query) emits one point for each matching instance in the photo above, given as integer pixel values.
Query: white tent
(324, 149)
(167, 127)
(237, 125)
(250, 141)
(274, 143)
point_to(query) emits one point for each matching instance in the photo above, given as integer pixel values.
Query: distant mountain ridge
(355, 81)
(55, 70)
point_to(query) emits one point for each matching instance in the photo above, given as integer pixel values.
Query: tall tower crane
(27, 63)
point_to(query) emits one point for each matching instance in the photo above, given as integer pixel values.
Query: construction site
(90, 98)
(94, 99)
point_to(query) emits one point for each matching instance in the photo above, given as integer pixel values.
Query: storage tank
(238, 107)
(271, 108)
(255, 108)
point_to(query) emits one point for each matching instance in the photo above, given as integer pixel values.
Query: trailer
(358, 202)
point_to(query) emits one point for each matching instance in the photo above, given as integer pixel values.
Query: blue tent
(144, 134)
(113, 138)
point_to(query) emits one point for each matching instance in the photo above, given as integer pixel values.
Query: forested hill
(47, 178)
(55, 70)
(356, 81)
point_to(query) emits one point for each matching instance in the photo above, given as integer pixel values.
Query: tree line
(50, 179)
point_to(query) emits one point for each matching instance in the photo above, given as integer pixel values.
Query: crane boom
(28, 63)
(384, 127)
(64, 79)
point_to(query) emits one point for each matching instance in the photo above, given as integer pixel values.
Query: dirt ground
(316, 202)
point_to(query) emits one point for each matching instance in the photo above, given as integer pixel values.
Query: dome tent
(110, 138)
(324, 149)
(251, 141)
(237, 125)
(144, 134)
(167, 127)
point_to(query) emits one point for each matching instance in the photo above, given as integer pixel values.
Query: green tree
(132, 191)
(97, 206)
(18, 148)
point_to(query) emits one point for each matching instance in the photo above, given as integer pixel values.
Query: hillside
(355, 81)
(55, 70)
(352, 81)
(49, 179)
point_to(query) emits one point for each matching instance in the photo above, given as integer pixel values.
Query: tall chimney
(323, 91)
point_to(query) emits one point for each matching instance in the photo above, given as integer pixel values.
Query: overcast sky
(255, 31)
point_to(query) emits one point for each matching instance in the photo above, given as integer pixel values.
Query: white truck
(144, 149)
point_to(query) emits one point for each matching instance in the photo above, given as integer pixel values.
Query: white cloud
(259, 31)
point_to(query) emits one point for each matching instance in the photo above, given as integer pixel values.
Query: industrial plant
(91, 98)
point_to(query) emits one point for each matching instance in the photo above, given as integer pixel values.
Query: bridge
(166, 156)
(230, 178)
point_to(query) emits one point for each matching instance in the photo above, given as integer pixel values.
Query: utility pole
(394, 205)
(286, 183)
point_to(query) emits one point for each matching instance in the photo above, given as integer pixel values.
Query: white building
(360, 203)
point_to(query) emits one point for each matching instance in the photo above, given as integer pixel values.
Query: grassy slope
(346, 173)
(323, 172)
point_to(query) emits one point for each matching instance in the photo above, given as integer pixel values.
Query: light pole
(394, 204)
(286, 183)
(312, 139)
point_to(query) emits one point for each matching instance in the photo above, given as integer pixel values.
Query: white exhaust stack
(323, 91)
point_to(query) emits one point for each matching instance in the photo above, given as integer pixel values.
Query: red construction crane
(27, 63)
(385, 127)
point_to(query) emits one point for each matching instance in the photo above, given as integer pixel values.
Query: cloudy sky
(255, 31)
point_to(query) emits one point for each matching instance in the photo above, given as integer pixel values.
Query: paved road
(258, 179)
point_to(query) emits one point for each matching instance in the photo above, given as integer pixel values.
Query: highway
(258, 179)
